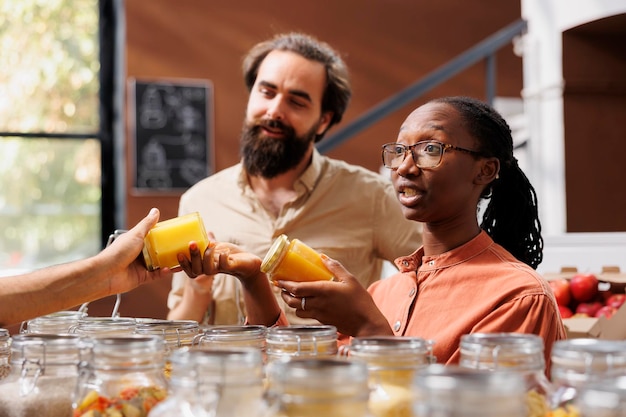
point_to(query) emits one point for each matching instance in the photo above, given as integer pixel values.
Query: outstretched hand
(125, 268)
(343, 302)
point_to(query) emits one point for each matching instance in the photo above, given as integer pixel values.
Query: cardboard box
(610, 279)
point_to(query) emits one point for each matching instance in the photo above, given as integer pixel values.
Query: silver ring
(303, 303)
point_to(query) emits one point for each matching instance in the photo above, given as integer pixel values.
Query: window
(54, 130)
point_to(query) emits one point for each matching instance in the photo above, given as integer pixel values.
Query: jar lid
(275, 254)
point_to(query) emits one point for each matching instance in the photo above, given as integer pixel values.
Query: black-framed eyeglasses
(426, 154)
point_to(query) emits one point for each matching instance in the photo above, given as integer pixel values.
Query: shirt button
(396, 326)
(412, 292)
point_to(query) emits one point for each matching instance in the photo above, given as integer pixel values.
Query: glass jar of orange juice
(170, 237)
(294, 261)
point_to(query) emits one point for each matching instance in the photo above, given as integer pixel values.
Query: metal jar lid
(275, 254)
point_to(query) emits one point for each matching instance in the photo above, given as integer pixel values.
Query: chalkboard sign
(171, 134)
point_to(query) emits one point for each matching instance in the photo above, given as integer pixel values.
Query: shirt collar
(457, 255)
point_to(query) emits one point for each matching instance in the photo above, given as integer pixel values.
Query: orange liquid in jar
(294, 261)
(170, 237)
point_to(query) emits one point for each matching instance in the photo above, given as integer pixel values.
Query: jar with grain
(43, 375)
(5, 353)
(122, 374)
(512, 352)
(315, 387)
(392, 363)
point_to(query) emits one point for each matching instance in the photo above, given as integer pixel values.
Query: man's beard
(268, 157)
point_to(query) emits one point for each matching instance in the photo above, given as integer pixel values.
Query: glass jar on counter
(392, 362)
(176, 333)
(301, 341)
(43, 375)
(453, 391)
(104, 326)
(5, 353)
(603, 398)
(214, 382)
(512, 352)
(121, 374)
(315, 387)
(230, 337)
(60, 322)
(578, 362)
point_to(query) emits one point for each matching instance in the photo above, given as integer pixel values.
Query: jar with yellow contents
(392, 362)
(577, 363)
(453, 391)
(315, 387)
(121, 376)
(170, 237)
(293, 260)
(512, 352)
(300, 341)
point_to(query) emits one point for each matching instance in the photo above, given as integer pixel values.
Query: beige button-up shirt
(345, 211)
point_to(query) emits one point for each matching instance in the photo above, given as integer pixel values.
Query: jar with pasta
(392, 362)
(579, 362)
(453, 391)
(301, 341)
(214, 382)
(43, 375)
(512, 352)
(120, 375)
(316, 387)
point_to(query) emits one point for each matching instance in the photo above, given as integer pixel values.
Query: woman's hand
(220, 258)
(343, 302)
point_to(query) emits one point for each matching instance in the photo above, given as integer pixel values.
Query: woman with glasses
(471, 275)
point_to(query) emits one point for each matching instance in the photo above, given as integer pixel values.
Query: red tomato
(560, 288)
(565, 312)
(606, 311)
(589, 309)
(616, 300)
(583, 287)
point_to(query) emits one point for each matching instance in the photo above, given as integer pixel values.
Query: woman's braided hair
(511, 217)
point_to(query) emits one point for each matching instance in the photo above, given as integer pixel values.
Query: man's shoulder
(340, 169)
(225, 178)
